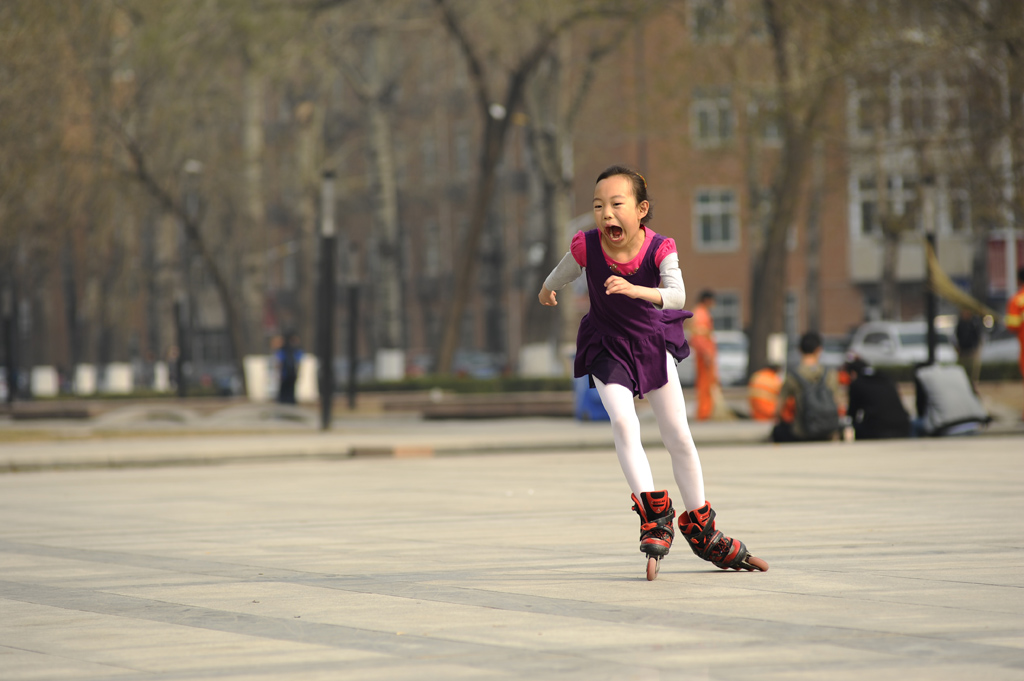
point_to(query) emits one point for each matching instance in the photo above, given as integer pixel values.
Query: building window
(904, 203)
(869, 223)
(712, 118)
(959, 208)
(764, 116)
(716, 219)
(921, 103)
(726, 312)
(709, 20)
(957, 111)
(873, 107)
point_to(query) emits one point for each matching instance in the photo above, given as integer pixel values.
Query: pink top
(578, 248)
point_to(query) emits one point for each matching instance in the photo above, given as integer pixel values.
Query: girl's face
(616, 213)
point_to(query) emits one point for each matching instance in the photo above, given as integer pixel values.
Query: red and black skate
(656, 529)
(708, 543)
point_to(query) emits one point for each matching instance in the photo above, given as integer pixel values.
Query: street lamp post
(179, 360)
(185, 306)
(930, 301)
(353, 338)
(327, 286)
(10, 335)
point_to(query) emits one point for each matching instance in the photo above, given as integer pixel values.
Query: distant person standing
(968, 345)
(1015, 317)
(705, 351)
(288, 358)
(763, 393)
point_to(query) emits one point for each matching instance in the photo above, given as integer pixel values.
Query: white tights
(670, 411)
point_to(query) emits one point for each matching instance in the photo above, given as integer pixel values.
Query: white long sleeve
(565, 272)
(672, 289)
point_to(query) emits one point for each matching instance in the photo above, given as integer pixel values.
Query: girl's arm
(670, 296)
(615, 284)
(567, 271)
(673, 292)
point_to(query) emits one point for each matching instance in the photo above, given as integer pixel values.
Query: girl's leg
(618, 402)
(670, 410)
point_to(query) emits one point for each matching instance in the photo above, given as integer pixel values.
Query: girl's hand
(614, 284)
(547, 297)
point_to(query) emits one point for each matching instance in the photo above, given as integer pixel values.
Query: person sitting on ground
(874, 406)
(763, 393)
(809, 399)
(946, 402)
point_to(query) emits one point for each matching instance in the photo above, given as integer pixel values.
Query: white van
(900, 343)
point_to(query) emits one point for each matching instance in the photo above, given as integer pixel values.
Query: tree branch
(476, 71)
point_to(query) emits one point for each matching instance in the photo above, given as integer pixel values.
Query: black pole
(327, 288)
(353, 355)
(10, 335)
(931, 304)
(327, 249)
(179, 361)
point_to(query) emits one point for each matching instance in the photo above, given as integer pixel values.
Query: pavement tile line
(874, 574)
(411, 647)
(770, 632)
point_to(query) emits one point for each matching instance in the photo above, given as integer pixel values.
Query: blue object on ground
(588, 402)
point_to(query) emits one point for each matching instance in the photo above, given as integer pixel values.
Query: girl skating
(629, 343)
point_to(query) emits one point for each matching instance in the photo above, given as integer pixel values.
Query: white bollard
(306, 385)
(538, 360)
(44, 382)
(118, 379)
(161, 377)
(777, 349)
(389, 365)
(257, 377)
(85, 379)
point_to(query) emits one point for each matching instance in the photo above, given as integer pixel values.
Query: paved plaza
(895, 560)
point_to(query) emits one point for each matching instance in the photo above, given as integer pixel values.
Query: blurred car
(883, 343)
(477, 364)
(733, 353)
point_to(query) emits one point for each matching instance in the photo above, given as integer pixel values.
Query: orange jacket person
(763, 393)
(705, 354)
(1015, 317)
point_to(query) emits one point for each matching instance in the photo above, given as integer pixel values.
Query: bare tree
(173, 114)
(500, 62)
(368, 51)
(808, 45)
(554, 97)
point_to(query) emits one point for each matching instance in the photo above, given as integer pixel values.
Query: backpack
(817, 411)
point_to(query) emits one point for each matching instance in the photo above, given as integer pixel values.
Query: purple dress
(623, 340)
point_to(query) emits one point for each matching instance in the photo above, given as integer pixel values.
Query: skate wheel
(653, 565)
(755, 563)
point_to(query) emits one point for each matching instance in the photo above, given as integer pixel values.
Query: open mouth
(614, 232)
